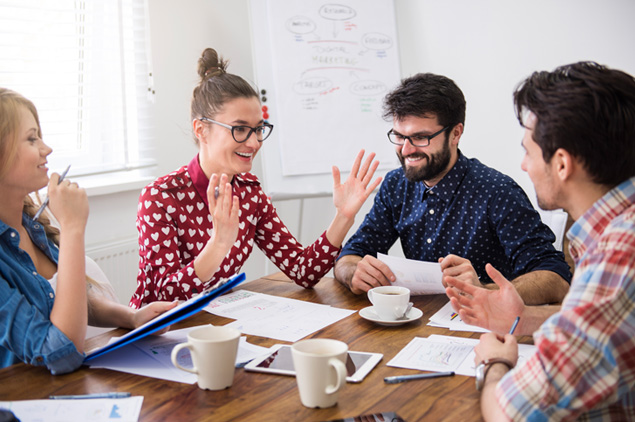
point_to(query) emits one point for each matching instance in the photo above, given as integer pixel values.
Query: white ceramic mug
(389, 302)
(320, 370)
(213, 351)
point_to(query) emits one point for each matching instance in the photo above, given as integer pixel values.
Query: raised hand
(68, 203)
(223, 206)
(348, 197)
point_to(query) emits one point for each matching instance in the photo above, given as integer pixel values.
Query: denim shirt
(474, 212)
(26, 331)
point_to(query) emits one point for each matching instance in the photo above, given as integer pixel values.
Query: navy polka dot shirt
(474, 212)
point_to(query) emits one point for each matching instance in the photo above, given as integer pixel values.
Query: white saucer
(369, 314)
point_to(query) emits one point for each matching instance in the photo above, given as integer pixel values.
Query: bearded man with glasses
(445, 207)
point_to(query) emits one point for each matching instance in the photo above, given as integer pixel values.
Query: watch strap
(488, 363)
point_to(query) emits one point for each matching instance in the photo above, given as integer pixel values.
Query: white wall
(487, 47)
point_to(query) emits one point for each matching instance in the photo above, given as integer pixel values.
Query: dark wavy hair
(588, 110)
(424, 94)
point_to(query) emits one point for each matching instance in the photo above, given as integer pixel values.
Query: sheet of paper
(85, 410)
(439, 353)
(151, 357)
(422, 278)
(275, 317)
(447, 318)
(427, 355)
(468, 367)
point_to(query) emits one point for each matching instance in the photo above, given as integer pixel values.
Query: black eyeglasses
(416, 140)
(242, 133)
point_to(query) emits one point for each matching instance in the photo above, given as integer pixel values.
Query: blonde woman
(43, 323)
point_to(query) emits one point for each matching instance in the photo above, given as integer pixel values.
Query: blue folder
(182, 311)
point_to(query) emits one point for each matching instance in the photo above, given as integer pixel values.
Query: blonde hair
(10, 106)
(11, 103)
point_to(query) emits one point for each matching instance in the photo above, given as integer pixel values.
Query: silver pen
(403, 378)
(92, 396)
(46, 201)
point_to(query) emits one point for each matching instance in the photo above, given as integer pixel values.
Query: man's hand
(494, 310)
(459, 268)
(491, 346)
(362, 274)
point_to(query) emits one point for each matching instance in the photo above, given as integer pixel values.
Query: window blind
(86, 66)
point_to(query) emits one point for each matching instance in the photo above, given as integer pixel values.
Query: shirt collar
(447, 186)
(590, 226)
(200, 181)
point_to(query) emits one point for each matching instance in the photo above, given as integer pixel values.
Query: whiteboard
(322, 70)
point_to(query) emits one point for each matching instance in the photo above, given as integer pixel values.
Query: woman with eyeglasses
(198, 224)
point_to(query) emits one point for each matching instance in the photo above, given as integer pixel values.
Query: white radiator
(120, 262)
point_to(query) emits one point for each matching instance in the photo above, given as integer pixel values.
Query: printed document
(275, 317)
(446, 353)
(447, 318)
(422, 278)
(84, 410)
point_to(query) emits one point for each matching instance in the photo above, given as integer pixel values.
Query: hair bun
(210, 64)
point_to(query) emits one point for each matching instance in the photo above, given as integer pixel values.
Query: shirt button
(51, 295)
(37, 226)
(34, 273)
(431, 211)
(12, 234)
(429, 240)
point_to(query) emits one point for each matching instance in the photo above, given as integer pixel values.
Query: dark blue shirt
(474, 212)
(26, 331)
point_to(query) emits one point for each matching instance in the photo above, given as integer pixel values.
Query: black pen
(514, 325)
(46, 201)
(403, 378)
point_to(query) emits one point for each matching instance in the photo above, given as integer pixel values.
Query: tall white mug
(213, 351)
(320, 370)
(389, 302)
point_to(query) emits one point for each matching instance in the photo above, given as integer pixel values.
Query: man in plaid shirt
(580, 154)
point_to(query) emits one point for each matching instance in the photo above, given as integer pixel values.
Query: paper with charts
(151, 357)
(447, 318)
(422, 278)
(280, 318)
(446, 353)
(85, 410)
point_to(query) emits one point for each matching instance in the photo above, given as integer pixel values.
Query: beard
(437, 163)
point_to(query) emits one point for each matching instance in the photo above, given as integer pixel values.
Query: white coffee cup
(320, 370)
(213, 351)
(389, 302)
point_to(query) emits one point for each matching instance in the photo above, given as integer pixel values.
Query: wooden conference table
(266, 397)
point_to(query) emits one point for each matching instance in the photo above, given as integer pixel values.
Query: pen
(514, 325)
(46, 201)
(92, 396)
(402, 378)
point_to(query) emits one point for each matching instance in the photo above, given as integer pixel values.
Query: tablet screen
(282, 360)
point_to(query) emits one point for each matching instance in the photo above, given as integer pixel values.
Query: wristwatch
(483, 367)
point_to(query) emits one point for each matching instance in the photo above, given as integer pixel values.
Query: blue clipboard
(182, 311)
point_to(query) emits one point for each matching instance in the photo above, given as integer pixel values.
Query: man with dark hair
(580, 154)
(448, 208)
